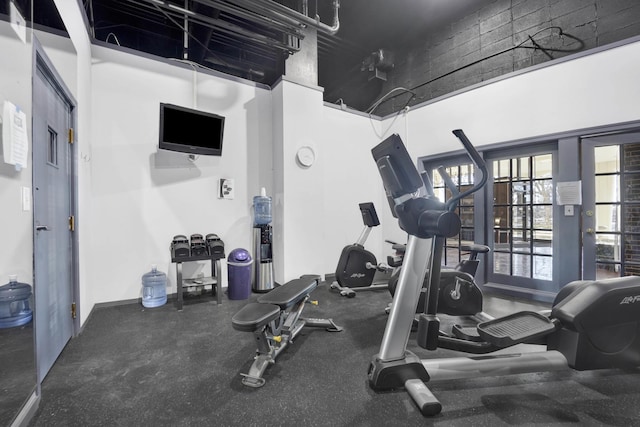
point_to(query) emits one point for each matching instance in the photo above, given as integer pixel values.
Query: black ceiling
(226, 35)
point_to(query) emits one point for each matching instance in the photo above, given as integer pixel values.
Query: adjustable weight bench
(275, 320)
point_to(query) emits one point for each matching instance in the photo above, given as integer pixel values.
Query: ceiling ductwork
(247, 38)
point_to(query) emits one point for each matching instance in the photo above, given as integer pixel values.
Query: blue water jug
(14, 304)
(154, 288)
(262, 208)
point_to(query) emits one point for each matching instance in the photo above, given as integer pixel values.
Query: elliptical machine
(592, 324)
(459, 293)
(357, 267)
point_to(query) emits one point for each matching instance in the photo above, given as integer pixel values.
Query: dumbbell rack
(215, 280)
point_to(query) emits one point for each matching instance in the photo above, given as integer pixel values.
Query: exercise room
(324, 213)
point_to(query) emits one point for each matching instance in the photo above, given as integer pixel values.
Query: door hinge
(73, 310)
(72, 223)
(70, 135)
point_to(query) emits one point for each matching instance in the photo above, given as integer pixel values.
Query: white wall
(593, 90)
(589, 91)
(141, 197)
(316, 208)
(16, 252)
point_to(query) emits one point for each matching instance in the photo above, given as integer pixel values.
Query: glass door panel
(523, 218)
(611, 226)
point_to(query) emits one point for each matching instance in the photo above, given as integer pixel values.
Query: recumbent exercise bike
(358, 268)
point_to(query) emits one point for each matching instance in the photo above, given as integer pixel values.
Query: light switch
(26, 198)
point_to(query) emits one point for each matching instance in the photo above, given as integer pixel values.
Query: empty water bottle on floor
(14, 303)
(154, 288)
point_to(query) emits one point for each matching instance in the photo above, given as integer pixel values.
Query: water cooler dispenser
(263, 280)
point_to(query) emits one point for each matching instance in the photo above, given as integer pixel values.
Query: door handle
(42, 228)
(590, 231)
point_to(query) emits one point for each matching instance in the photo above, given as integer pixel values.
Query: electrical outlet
(226, 189)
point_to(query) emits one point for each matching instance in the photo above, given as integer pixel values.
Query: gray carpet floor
(133, 366)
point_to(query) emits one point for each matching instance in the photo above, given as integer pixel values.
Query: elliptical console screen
(396, 168)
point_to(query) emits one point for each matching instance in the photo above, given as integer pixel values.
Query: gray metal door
(611, 206)
(52, 198)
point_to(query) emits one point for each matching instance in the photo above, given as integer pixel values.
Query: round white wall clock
(306, 156)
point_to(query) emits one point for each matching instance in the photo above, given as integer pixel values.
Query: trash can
(239, 271)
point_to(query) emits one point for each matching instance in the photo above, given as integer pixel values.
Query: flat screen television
(190, 131)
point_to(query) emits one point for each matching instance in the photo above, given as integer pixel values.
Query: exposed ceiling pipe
(315, 22)
(291, 27)
(222, 26)
(272, 8)
(266, 10)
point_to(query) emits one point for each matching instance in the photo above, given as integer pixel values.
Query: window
(52, 149)
(523, 216)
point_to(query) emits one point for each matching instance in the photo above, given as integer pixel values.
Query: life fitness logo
(359, 275)
(630, 300)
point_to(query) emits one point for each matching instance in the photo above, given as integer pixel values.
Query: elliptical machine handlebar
(479, 163)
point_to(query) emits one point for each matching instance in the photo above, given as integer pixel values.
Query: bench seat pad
(290, 293)
(254, 316)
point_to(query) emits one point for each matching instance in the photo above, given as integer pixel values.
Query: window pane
(501, 193)
(607, 159)
(543, 191)
(607, 247)
(466, 175)
(521, 265)
(466, 216)
(543, 166)
(521, 168)
(521, 241)
(501, 217)
(543, 217)
(502, 239)
(467, 236)
(521, 218)
(52, 148)
(607, 188)
(521, 193)
(542, 268)
(542, 243)
(607, 271)
(501, 170)
(607, 218)
(501, 263)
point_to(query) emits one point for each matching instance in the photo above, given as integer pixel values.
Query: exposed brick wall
(471, 41)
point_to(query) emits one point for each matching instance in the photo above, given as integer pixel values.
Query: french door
(611, 206)
(520, 221)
